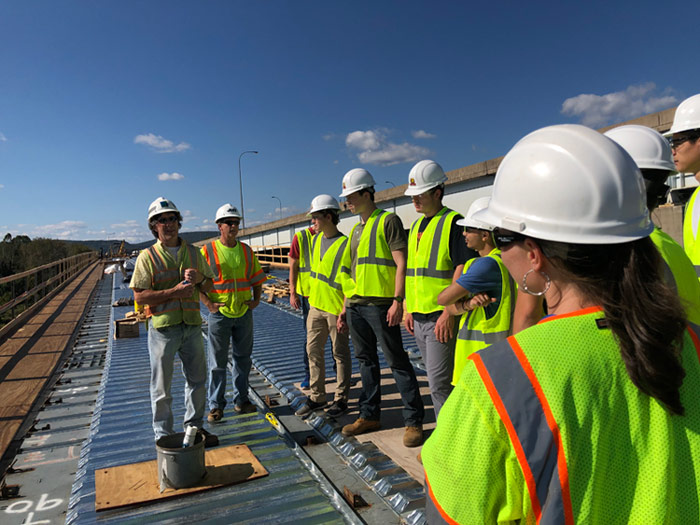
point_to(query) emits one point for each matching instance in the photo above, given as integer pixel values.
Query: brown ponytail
(645, 315)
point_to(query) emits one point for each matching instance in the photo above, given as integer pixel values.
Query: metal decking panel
(121, 433)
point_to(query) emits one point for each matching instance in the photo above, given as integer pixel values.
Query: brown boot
(360, 426)
(413, 437)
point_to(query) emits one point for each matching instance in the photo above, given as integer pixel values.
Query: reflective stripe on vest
(326, 292)
(375, 269)
(534, 434)
(304, 240)
(475, 331)
(165, 277)
(691, 222)
(233, 285)
(429, 267)
(679, 273)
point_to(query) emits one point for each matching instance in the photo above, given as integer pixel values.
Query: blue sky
(105, 106)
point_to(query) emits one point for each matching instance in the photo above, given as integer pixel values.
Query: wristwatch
(398, 299)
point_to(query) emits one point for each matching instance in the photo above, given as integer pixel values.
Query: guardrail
(275, 256)
(30, 289)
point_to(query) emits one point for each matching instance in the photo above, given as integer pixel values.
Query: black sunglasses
(469, 229)
(231, 222)
(504, 238)
(166, 220)
(680, 140)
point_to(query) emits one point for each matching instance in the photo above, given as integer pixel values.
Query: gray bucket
(180, 467)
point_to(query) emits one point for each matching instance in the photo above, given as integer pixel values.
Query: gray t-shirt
(326, 242)
(396, 238)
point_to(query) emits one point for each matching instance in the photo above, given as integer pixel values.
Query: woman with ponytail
(592, 415)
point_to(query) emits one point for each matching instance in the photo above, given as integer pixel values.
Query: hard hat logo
(412, 182)
(344, 186)
(164, 204)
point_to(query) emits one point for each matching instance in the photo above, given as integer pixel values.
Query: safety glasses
(168, 219)
(231, 222)
(504, 238)
(680, 140)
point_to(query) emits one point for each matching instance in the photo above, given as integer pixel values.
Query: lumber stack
(275, 288)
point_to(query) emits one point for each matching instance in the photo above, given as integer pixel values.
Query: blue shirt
(484, 276)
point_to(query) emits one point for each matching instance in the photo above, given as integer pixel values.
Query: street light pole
(240, 184)
(280, 208)
(393, 200)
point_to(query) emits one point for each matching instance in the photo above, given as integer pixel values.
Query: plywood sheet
(138, 483)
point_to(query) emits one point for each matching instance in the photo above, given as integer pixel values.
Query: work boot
(308, 407)
(413, 436)
(210, 440)
(360, 426)
(338, 408)
(215, 415)
(245, 408)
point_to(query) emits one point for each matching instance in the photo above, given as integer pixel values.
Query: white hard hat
(323, 202)
(687, 116)
(648, 148)
(161, 205)
(570, 184)
(470, 222)
(424, 176)
(227, 211)
(355, 180)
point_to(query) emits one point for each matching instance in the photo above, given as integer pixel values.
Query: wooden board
(138, 483)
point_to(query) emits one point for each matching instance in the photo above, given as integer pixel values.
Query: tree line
(20, 253)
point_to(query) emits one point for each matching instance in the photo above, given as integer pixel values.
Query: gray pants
(439, 361)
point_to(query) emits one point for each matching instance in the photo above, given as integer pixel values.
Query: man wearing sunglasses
(484, 295)
(685, 143)
(653, 156)
(436, 257)
(238, 280)
(167, 278)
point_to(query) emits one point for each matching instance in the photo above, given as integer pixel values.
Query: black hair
(368, 190)
(644, 314)
(656, 187)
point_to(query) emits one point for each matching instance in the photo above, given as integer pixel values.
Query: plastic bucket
(180, 467)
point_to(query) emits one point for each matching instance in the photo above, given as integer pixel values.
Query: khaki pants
(319, 326)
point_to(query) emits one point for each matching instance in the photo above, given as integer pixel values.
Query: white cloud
(422, 134)
(635, 101)
(159, 144)
(329, 136)
(72, 230)
(3, 138)
(170, 176)
(2, 186)
(374, 148)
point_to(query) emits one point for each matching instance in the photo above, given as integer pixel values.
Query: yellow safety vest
(304, 239)
(233, 286)
(691, 224)
(375, 269)
(326, 289)
(166, 273)
(477, 332)
(430, 269)
(679, 273)
(547, 427)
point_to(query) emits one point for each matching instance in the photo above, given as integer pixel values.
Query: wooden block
(126, 328)
(138, 483)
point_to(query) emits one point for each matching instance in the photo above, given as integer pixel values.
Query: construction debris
(275, 288)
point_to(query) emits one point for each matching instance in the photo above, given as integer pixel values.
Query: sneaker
(338, 408)
(246, 408)
(210, 440)
(413, 437)
(308, 407)
(360, 426)
(304, 384)
(215, 415)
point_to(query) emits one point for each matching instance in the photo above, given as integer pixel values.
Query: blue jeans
(305, 314)
(222, 332)
(163, 344)
(367, 326)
